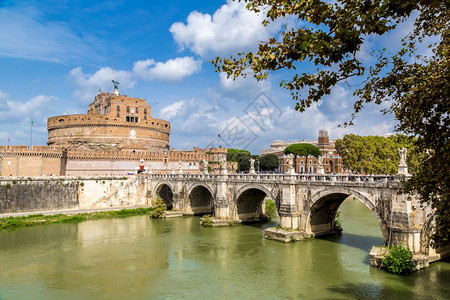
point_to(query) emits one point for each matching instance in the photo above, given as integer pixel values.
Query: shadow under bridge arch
(250, 205)
(165, 191)
(325, 205)
(201, 199)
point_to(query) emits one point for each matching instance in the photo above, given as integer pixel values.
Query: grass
(40, 219)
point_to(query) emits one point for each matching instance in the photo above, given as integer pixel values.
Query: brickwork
(332, 162)
(113, 122)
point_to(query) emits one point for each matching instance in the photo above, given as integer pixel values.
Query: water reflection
(138, 257)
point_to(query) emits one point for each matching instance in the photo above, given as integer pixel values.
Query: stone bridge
(306, 203)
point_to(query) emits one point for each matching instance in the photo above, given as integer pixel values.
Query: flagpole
(31, 134)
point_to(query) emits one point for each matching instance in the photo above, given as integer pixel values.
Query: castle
(117, 136)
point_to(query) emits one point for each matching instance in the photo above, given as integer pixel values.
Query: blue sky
(56, 55)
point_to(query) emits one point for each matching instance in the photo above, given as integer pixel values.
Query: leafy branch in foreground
(330, 36)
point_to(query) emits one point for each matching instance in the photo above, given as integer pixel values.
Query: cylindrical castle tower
(113, 122)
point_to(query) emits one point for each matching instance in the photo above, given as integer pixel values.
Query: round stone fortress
(113, 122)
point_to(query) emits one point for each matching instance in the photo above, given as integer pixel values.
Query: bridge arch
(249, 204)
(324, 207)
(200, 199)
(164, 189)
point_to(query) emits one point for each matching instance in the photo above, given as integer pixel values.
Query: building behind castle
(332, 162)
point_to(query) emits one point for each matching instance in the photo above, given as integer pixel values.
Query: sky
(56, 55)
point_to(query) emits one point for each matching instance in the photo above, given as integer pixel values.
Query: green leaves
(269, 162)
(399, 260)
(303, 149)
(330, 36)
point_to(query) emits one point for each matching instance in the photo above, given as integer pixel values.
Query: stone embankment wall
(62, 193)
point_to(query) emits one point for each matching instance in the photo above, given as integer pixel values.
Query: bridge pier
(307, 205)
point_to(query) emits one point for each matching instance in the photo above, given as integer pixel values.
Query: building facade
(332, 162)
(118, 136)
(113, 122)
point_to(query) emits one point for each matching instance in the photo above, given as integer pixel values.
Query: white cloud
(25, 33)
(16, 116)
(10, 110)
(171, 110)
(89, 84)
(171, 70)
(232, 28)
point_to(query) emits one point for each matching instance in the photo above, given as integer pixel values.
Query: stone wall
(38, 161)
(60, 193)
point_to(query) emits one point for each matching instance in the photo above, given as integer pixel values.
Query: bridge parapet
(340, 179)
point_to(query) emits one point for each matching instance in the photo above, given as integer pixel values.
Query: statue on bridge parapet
(320, 169)
(290, 162)
(252, 166)
(402, 166)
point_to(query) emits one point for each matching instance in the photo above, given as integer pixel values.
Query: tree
(372, 154)
(330, 36)
(269, 162)
(232, 153)
(302, 149)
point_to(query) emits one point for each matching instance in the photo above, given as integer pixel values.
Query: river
(137, 257)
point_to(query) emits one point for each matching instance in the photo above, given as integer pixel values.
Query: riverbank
(12, 222)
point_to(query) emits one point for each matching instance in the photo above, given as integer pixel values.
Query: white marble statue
(290, 162)
(320, 160)
(252, 166)
(402, 153)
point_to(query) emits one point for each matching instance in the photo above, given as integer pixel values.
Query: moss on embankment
(40, 219)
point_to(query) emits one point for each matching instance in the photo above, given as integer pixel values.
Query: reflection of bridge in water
(306, 203)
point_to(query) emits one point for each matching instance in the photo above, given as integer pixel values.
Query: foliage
(242, 157)
(269, 162)
(370, 154)
(399, 260)
(330, 35)
(40, 219)
(302, 149)
(271, 209)
(207, 221)
(378, 155)
(159, 208)
(231, 153)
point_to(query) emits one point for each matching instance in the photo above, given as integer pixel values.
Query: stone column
(288, 210)
(222, 207)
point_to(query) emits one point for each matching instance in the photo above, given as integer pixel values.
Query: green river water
(141, 258)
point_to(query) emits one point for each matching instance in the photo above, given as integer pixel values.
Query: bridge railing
(284, 177)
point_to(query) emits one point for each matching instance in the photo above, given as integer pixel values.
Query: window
(128, 109)
(137, 110)
(145, 111)
(145, 117)
(118, 107)
(131, 119)
(118, 114)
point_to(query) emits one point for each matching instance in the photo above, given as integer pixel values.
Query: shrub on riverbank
(40, 219)
(399, 260)
(159, 208)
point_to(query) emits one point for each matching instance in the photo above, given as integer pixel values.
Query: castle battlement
(113, 122)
